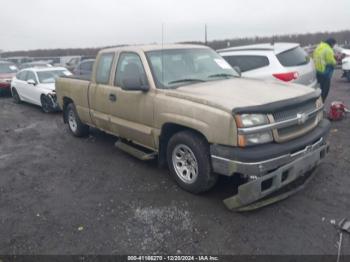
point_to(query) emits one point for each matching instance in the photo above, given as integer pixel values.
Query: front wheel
(15, 96)
(189, 162)
(46, 104)
(74, 123)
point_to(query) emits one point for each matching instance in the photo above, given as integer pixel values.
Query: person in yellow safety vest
(325, 63)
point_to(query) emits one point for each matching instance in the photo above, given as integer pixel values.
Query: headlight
(251, 120)
(255, 139)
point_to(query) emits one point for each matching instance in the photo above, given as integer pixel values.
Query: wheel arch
(11, 89)
(167, 131)
(66, 102)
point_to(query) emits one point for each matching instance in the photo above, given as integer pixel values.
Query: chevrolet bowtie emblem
(302, 118)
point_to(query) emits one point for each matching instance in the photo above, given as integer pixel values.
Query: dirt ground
(64, 195)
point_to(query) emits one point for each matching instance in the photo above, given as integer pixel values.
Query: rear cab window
(247, 62)
(293, 57)
(104, 67)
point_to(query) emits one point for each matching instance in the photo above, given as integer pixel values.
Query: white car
(345, 52)
(346, 67)
(287, 62)
(37, 86)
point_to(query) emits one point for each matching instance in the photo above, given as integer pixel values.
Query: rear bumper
(5, 86)
(270, 168)
(314, 84)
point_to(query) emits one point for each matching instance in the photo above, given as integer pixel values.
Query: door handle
(112, 97)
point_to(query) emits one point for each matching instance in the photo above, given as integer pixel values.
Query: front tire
(75, 125)
(189, 162)
(46, 104)
(15, 96)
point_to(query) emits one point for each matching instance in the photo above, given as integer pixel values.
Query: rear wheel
(46, 104)
(15, 96)
(348, 75)
(74, 123)
(189, 162)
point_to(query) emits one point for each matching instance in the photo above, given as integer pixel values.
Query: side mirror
(31, 82)
(238, 70)
(134, 84)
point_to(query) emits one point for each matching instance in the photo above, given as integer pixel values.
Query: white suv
(346, 63)
(283, 61)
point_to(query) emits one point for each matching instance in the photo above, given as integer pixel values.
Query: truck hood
(230, 94)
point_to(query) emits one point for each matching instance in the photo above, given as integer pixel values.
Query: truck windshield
(48, 77)
(177, 67)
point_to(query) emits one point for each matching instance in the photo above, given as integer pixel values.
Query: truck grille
(292, 112)
(290, 132)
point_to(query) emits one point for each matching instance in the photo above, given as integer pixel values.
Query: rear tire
(189, 162)
(348, 76)
(75, 125)
(15, 96)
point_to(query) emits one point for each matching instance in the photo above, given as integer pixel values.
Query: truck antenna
(205, 34)
(162, 53)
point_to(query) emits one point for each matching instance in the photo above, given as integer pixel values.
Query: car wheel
(16, 97)
(189, 162)
(348, 76)
(46, 104)
(74, 123)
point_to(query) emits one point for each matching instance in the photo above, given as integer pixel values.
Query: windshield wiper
(186, 80)
(222, 75)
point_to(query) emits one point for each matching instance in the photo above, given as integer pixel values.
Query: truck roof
(155, 47)
(276, 47)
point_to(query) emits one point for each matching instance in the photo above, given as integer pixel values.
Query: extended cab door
(132, 113)
(101, 93)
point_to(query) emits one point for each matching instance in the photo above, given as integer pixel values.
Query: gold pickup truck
(184, 105)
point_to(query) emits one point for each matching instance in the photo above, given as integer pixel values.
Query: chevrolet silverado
(185, 106)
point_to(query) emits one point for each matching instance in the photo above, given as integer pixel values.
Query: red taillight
(287, 76)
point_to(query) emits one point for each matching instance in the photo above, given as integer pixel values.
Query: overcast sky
(34, 24)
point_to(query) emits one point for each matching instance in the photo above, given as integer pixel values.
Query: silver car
(282, 61)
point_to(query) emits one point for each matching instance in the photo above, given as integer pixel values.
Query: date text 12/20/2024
(173, 258)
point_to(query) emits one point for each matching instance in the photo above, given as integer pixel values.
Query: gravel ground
(64, 195)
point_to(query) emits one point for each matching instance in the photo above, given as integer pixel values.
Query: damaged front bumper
(274, 172)
(54, 105)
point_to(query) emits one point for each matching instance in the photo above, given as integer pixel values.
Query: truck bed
(75, 88)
